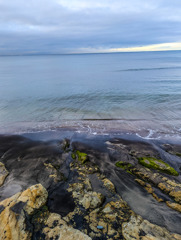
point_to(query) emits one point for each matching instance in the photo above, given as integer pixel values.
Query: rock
(65, 145)
(92, 200)
(82, 157)
(138, 228)
(149, 189)
(82, 193)
(176, 195)
(109, 185)
(174, 206)
(77, 190)
(172, 149)
(54, 173)
(3, 173)
(171, 188)
(19, 213)
(15, 210)
(87, 184)
(57, 228)
(158, 164)
(110, 218)
(80, 209)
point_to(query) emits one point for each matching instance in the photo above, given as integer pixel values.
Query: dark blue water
(120, 91)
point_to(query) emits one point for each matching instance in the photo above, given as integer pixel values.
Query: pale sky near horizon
(77, 26)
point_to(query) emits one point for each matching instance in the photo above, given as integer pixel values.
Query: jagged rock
(176, 195)
(91, 200)
(15, 210)
(18, 213)
(171, 188)
(157, 164)
(54, 173)
(3, 173)
(87, 188)
(109, 218)
(87, 184)
(149, 189)
(57, 228)
(174, 206)
(84, 196)
(140, 229)
(172, 149)
(109, 185)
(77, 190)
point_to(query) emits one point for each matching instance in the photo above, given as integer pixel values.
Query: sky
(77, 26)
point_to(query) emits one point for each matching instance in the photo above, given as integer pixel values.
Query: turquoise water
(138, 92)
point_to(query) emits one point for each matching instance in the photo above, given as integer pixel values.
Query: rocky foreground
(89, 188)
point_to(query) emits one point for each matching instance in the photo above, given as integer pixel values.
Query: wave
(147, 69)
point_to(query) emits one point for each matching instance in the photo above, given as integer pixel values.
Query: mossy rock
(82, 157)
(124, 166)
(73, 155)
(178, 154)
(157, 164)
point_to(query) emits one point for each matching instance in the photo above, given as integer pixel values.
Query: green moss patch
(178, 154)
(73, 155)
(82, 157)
(124, 166)
(157, 164)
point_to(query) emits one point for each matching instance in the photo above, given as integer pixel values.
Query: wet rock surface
(88, 188)
(3, 173)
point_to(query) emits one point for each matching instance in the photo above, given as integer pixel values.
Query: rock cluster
(149, 170)
(16, 210)
(98, 210)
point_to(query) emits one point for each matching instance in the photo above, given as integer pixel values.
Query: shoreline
(143, 129)
(47, 158)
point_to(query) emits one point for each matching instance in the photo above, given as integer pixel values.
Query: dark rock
(1, 208)
(17, 208)
(60, 201)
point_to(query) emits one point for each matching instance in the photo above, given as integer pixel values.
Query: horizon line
(84, 53)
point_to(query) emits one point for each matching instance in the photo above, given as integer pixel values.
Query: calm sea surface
(130, 92)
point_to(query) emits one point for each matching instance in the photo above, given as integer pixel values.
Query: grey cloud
(46, 26)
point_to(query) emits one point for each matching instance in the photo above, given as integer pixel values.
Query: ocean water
(99, 93)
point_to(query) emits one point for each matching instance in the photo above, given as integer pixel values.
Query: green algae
(73, 155)
(157, 164)
(178, 154)
(82, 157)
(123, 165)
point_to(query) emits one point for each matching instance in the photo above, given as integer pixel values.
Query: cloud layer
(61, 26)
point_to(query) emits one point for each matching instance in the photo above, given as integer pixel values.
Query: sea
(132, 93)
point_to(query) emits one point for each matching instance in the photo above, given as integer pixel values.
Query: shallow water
(97, 93)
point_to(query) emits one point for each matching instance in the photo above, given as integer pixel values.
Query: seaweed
(157, 164)
(82, 157)
(124, 166)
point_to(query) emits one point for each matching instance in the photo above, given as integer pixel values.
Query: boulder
(14, 212)
(138, 228)
(57, 228)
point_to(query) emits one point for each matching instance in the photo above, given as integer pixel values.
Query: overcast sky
(72, 26)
